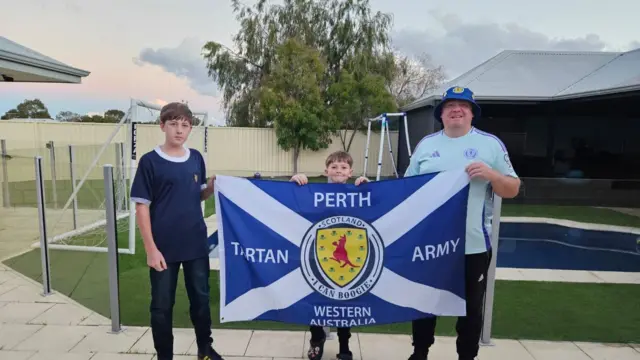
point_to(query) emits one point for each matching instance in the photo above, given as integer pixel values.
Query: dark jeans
(468, 327)
(163, 295)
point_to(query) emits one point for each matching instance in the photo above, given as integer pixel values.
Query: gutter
(435, 99)
(606, 91)
(47, 65)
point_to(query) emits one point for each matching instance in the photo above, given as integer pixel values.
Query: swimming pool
(551, 246)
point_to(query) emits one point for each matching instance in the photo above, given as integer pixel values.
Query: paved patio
(55, 327)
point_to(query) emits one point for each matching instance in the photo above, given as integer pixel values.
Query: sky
(151, 50)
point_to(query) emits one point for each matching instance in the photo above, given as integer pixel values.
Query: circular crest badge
(342, 257)
(470, 153)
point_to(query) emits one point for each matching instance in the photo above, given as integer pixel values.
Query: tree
(291, 98)
(355, 99)
(28, 109)
(113, 115)
(413, 78)
(344, 32)
(68, 116)
(93, 119)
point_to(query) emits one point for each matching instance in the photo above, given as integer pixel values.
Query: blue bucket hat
(458, 93)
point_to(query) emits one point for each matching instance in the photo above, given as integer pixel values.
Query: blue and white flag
(339, 254)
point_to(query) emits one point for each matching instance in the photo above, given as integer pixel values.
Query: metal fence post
(44, 243)
(112, 245)
(72, 158)
(132, 174)
(6, 200)
(120, 178)
(485, 338)
(52, 158)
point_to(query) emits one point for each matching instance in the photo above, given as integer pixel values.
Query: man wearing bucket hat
(486, 160)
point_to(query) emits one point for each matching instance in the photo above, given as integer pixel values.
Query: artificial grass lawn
(90, 195)
(523, 309)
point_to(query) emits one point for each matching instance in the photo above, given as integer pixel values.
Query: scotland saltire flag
(339, 254)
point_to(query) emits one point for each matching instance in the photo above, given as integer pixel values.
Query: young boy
(168, 189)
(338, 169)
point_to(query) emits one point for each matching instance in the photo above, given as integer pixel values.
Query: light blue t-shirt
(438, 152)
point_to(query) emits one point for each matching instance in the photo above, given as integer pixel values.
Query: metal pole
(381, 149)
(6, 200)
(366, 150)
(112, 245)
(52, 158)
(393, 161)
(406, 136)
(120, 200)
(485, 338)
(44, 244)
(72, 173)
(132, 174)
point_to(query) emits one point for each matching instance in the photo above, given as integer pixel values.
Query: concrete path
(55, 327)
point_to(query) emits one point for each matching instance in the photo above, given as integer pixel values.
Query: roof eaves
(435, 99)
(29, 61)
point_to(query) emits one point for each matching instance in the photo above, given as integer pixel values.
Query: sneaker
(345, 356)
(209, 354)
(316, 350)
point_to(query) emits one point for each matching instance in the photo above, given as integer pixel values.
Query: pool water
(548, 246)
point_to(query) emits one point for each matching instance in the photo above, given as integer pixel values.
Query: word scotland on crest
(342, 256)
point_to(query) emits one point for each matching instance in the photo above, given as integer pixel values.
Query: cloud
(159, 102)
(462, 46)
(634, 45)
(184, 61)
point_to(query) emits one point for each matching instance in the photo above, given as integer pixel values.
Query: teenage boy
(168, 189)
(338, 169)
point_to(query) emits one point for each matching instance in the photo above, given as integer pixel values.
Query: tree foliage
(414, 77)
(68, 116)
(291, 99)
(113, 115)
(110, 117)
(36, 109)
(357, 98)
(28, 109)
(347, 35)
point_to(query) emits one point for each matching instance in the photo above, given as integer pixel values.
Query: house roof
(21, 64)
(546, 75)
